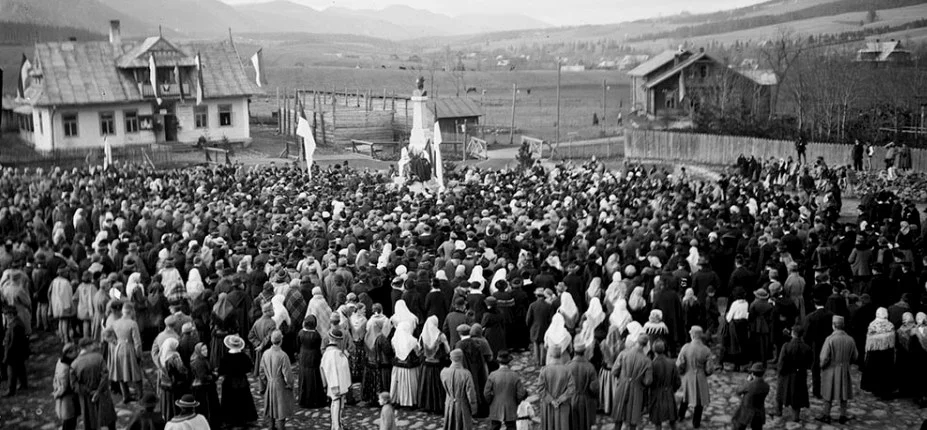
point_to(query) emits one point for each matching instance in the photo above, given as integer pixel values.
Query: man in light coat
(556, 389)
(336, 376)
(838, 353)
(693, 365)
(585, 402)
(461, 399)
(504, 390)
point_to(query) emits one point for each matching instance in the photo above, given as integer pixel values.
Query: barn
(457, 116)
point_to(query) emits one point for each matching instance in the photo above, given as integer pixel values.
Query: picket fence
(713, 149)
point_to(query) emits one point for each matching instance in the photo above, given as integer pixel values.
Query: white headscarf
(595, 288)
(168, 349)
(498, 276)
(557, 334)
(431, 334)
(281, 315)
(620, 317)
(194, 284)
(402, 314)
(319, 308)
(636, 301)
(614, 292)
(476, 275)
(635, 329)
(383, 261)
(693, 258)
(568, 306)
(594, 316)
(403, 341)
(135, 281)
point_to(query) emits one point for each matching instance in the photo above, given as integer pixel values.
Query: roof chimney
(115, 32)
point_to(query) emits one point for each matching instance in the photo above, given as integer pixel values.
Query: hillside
(83, 14)
(192, 17)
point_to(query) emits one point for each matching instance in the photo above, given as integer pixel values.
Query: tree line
(17, 33)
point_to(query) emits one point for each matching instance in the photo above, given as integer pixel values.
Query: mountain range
(209, 18)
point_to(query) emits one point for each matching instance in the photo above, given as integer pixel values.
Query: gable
(165, 54)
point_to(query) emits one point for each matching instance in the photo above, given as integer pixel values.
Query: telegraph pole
(512, 130)
(558, 102)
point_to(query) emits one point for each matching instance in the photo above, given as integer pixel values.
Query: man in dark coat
(742, 276)
(538, 320)
(668, 302)
(795, 358)
(818, 325)
(494, 325)
(704, 278)
(586, 381)
(574, 286)
(517, 332)
(90, 379)
(760, 322)
(15, 350)
(838, 352)
(455, 318)
(784, 314)
(752, 410)
(504, 390)
(435, 303)
(476, 357)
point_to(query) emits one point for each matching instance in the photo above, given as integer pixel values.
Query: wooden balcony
(167, 90)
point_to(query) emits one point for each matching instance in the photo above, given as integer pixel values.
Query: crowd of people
(627, 287)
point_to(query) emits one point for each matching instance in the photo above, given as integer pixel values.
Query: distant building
(454, 112)
(573, 68)
(83, 92)
(607, 65)
(673, 81)
(631, 61)
(884, 52)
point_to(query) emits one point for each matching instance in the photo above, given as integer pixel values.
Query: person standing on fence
(800, 147)
(890, 160)
(858, 150)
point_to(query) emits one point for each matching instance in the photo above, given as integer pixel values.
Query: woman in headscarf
(67, 407)
(311, 392)
(557, 335)
(905, 340)
(620, 317)
(692, 309)
(500, 275)
(594, 290)
(593, 317)
(919, 355)
(569, 311)
(358, 323)
(878, 373)
(655, 328)
(637, 305)
(405, 375)
(194, 284)
(204, 385)
(435, 350)
(380, 355)
(173, 379)
(281, 315)
(610, 347)
(402, 314)
(635, 330)
(319, 308)
(223, 323)
(61, 299)
(614, 292)
(476, 275)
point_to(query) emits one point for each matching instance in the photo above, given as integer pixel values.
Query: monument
(415, 162)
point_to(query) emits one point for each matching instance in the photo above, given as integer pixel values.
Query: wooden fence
(152, 155)
(611, 147)
(723, 150)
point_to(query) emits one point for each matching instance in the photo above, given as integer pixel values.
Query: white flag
(153, 72)
(438, 160)
(199, 79)
(107, 153)
(304, 130)
(257, 62)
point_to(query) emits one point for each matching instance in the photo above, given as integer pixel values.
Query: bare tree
(780, 54)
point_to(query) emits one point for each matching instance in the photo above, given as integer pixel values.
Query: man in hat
(187, 418)
(752, 410)
(706, 277)
(336, 376)
(15, 350)
(259, 336)
(538, 319)
(461, 394)
(693, 364)
(277, 374)
(146, 418)
(476, 360)
(818, 326)
(583, 405)
(837, 354)
(503, 391)
(556, 389)
(634, 371)
(454, 319)
(90, 380)
(795, 358)
(760, 325)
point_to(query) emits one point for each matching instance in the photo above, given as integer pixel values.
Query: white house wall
(88, 128)
(240, 130)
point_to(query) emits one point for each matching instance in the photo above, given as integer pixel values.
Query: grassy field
(536, 100)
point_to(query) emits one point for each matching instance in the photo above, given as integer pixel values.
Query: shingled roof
(75, 73)
(455, 107)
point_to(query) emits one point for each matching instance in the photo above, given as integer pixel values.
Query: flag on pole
(107, 153)
(257, 60)
(304, 130)
(199, 79)
(438, 160)
(24, 68)
(153, 72)
(682, 86)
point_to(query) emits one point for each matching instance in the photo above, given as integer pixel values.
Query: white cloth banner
(107, 153)
(304, 130)
(438, 159)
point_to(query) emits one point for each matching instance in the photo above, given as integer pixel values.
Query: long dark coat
(666, 381)
(585, 401)
(795, 358)
(668, 302)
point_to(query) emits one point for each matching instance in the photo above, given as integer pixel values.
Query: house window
(107, 123)
(225, 115)
(69, 120)
(703, 71)
(25, 123)
(131, 121)
(201, 116)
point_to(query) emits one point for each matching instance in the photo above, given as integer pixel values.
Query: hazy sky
(556, 12)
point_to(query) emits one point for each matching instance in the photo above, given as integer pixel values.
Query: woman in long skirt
(608, 385)
(224, 320)
(736, 331)
(878, 374)
(379, 358)
(172, 377)
(405, 376)
(311, 393)
(204, 386)
(237, 404)
(358, 321)
(435, 350)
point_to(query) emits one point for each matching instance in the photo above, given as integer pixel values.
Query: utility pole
(558, 103)
(512, 130)
(604, 104)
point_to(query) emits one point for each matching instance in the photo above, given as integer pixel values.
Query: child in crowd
(387, 412)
